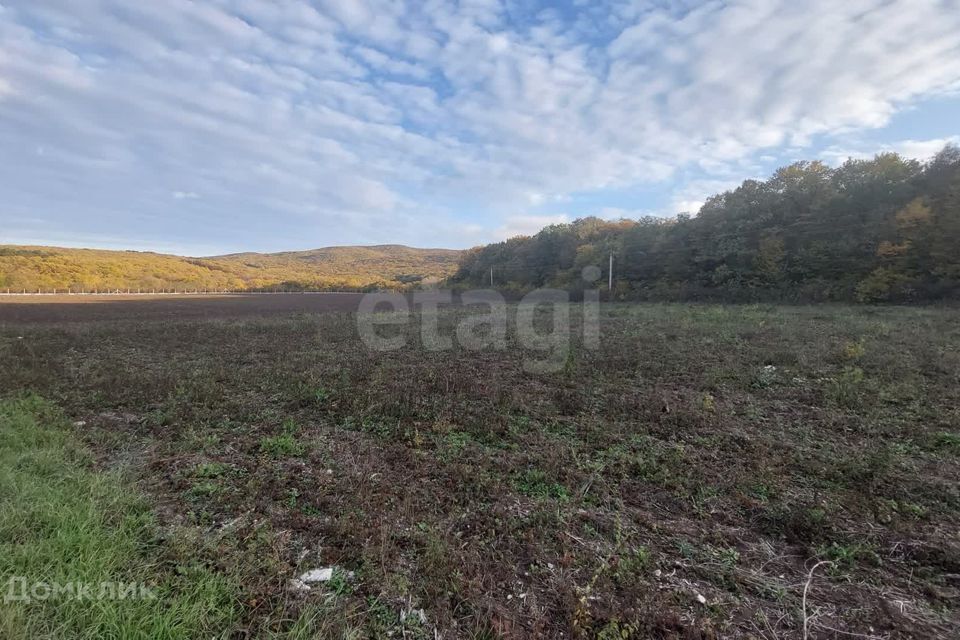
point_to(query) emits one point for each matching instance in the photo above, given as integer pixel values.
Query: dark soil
(680, 482)
(47, 309)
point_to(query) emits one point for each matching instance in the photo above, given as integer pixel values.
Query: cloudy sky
(209, 126)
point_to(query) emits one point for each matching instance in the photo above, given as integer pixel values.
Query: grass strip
(73, 540)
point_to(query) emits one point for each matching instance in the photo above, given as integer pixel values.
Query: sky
(203, 127)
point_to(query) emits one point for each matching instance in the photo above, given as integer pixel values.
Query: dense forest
(331, 268)
(886, 229)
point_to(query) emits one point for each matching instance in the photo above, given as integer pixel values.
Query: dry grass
(680, 482)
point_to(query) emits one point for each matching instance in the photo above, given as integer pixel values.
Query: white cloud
(922, 150)
(184, 195)
(526, 225)
(619, 213)
(691, 207)
(380, 120)
(382, 62)
(5, 88)
(692, 196)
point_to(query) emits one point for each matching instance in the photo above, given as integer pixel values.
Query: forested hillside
(342, 268)
(886, 229)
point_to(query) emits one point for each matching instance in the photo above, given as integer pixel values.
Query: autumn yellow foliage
(347, 268)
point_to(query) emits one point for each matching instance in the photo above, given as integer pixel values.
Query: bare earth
(706, 472)
(31, 309)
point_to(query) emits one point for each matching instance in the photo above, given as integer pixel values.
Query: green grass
(535, 484)
(947, 442)
(211, 470)
(283, 445)
(63, 523)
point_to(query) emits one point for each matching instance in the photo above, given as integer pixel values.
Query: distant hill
(342, 268)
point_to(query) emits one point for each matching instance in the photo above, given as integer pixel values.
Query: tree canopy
(885, 229)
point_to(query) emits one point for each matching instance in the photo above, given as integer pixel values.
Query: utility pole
(610, 275)
(491, 277)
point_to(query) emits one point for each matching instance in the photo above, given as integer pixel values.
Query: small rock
(657, 573)
(701, 599)
(80, 423)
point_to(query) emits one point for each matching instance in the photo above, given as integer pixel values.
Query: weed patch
(285, 444)
(534, 483)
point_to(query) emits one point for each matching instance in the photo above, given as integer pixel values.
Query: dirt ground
(66, 308)
(707, 472)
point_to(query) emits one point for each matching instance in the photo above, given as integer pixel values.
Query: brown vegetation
(680, 482)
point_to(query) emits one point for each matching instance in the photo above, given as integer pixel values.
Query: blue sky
(211, 126)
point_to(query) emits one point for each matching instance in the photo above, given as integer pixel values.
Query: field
(45, 309)
(709, 472)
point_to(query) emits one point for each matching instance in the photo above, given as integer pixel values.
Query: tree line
(880, 230)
